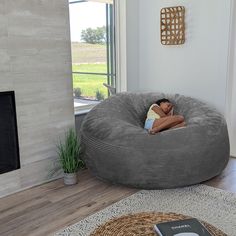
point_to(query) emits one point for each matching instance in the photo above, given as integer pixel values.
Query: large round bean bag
(117, 148)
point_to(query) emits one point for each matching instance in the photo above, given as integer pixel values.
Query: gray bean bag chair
(116, 148)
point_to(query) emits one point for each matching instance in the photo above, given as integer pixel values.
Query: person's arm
(171, 113)
(159, 111)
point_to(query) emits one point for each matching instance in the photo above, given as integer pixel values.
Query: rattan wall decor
(173, 25)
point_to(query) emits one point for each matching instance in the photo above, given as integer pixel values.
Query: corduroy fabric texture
(117, 148)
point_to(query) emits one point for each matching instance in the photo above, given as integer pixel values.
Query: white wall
(199, 67)
(231, 85)
(232, 116)
(132, 45)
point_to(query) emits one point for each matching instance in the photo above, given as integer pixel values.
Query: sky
(84, 15)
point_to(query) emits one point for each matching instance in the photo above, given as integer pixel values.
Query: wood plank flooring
(227, 180)
(47, 208)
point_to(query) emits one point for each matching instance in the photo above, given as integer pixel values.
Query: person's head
(165, 105)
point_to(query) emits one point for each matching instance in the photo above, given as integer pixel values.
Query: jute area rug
(214, 206)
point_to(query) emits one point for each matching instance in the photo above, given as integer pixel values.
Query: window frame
(110, 52)
(121, 51)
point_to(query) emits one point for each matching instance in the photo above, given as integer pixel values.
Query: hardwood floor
(227, 180)
(47, 208)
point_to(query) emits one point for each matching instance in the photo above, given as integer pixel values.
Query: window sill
(83, 112)
(83, 106)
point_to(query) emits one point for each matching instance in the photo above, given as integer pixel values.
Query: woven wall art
(173, 25)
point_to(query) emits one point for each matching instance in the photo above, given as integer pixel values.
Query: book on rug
(188, 227)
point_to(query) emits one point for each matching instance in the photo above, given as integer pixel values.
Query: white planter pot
(70, 178)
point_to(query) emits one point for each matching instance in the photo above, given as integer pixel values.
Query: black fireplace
(9, 147)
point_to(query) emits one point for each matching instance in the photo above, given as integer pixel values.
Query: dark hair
(158, 102)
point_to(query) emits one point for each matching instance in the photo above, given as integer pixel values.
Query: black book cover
(189, 227)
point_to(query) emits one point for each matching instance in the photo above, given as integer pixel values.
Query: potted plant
(69, 156)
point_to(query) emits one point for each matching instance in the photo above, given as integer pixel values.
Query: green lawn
(94, 68)
(89, 84)
(89, 58)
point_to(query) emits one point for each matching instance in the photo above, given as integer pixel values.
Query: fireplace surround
(9, 146)
(36, 65)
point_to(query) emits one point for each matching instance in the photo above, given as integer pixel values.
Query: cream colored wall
(197, 68)
(200, 68)
(35, 62)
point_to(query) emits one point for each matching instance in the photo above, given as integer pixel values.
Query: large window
(93, 51)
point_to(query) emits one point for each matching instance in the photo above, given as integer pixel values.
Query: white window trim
(230, 106)
(121, 52)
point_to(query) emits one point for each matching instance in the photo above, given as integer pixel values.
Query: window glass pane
(91, 67)
(88, 53)
(90, 87)
(88, 33)
(92, 50)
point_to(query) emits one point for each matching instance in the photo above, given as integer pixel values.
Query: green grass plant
(99, 95)
(68, 152)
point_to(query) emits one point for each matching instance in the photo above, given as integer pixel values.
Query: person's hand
(151, 131)
(171, 112)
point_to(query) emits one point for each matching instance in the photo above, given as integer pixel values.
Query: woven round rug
(143, 224)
